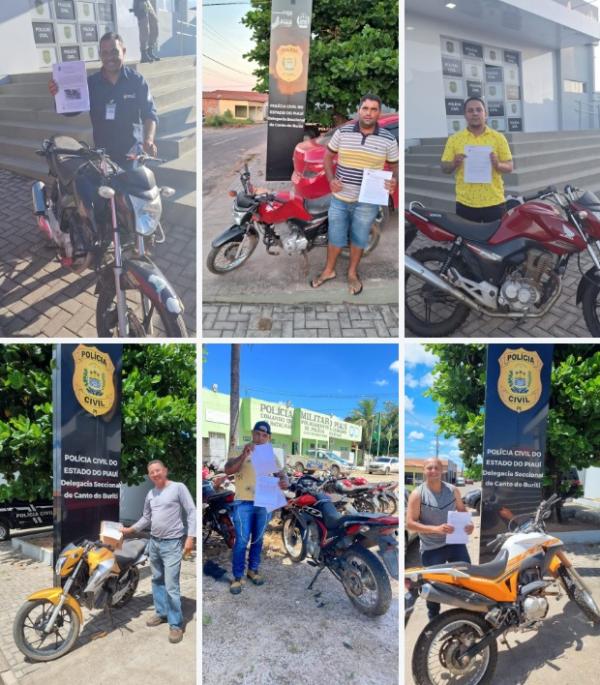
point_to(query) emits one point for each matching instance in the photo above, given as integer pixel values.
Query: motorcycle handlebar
(540, 193)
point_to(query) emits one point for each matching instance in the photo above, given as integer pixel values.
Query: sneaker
(236, 586)
(255, 577)
(155, 621)
(175, 635)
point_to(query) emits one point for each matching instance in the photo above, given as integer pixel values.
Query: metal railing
(592, 112)
(581, 6)
(181, 28)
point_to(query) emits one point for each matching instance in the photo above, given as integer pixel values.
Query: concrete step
(31, 168)
(445, 202)
(180, 210)
(37, 133)
(179, 173)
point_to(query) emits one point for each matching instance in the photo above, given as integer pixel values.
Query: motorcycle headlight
(147, 214)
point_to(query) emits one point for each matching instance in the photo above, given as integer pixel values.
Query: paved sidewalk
(299, 321)
(564, 320)
(40, 298)
(130, 652)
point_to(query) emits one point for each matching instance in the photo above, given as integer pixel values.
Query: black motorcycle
(217, 507)
(93, 203)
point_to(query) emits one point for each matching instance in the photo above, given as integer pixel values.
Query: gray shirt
(434, 511)
(163, 512)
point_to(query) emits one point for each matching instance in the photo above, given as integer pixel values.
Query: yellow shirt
(478, 194)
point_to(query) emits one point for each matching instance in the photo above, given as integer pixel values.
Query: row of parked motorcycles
(332, 523)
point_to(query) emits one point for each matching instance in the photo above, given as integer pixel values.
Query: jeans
(250, 523)
(352, 219)
(443, 555)
(165, 562)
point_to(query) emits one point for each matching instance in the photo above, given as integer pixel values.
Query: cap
(262, 426)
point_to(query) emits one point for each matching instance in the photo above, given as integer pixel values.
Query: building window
(165, 5)
(574, 86)
(241, 112)
(408, 479)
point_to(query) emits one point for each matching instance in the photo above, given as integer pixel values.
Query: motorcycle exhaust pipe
(463, 599)
(40, 208)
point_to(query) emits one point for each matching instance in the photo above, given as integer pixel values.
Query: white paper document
(458, 519)
(111, 529)
(263, 460)
(372, 188)
(268, 494)
(73, 94)
(478, 165)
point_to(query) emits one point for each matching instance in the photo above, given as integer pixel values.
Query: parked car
(320, 460)
(460, 480)
(472, 499)
(19, 514)
(383, 465)
(409, 535)
(309, 174)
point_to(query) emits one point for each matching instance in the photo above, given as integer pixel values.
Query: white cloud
(426, 381)
(381, 382)
(416, 354)
(411, 381)
(395, 366)
(409, 404)
(416, 435)
(455, 453)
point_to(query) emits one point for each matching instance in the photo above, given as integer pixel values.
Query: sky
(327, 378)
(420, 411)
(225, 40)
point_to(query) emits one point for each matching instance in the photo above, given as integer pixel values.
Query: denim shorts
(350, 219)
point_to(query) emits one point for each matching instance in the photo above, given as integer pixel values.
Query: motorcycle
(91, 574)
(284, 220)
(314, 529)
(92, 203)
(217, 507)
(506, 594)
(512, 268)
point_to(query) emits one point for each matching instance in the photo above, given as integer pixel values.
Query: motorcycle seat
(470, 230)
(333, 519)
(65, 166)
(130, 551)
(492, 569)
(352, 490)
(318, 207)
(216, 496)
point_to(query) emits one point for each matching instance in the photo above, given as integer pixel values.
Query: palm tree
(365, 415)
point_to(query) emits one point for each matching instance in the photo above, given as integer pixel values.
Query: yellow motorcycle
(92, 574)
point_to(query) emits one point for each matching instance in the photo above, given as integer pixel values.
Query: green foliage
(573, 436)
(226, 119)
(474, 472)
(367, 416)
(353, 51)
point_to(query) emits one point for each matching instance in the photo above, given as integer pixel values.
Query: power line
(244, 73)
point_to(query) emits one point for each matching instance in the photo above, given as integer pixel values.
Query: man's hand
(335, 185)
(458, 160)
(469, 529)
(444, 529)
(150, 148)
(52, 87)
(188, 546)
(495, 161)
(390, 185)
(127, 531)
(247, 451)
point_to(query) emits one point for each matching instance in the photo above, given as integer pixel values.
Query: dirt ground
(283, 634)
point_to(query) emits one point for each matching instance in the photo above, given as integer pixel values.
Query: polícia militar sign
(516, 416)
(288, 81)
(86, 398)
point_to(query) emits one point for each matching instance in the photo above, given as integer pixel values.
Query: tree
(365, 415)
(573, 435)
(353, 51)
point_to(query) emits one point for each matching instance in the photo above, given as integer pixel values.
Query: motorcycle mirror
(167, 191)
(106, 192)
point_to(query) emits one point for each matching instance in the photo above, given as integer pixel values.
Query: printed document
(263, 460)
(73, 94)
(458, 519)
(372, 189)
(478, 165)
(268, 494)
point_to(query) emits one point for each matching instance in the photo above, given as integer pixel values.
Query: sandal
(355, 286)
(319, 280)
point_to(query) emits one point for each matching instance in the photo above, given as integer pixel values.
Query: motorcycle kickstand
(317, 574)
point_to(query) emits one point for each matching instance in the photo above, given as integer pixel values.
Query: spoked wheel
(291, 536)
(366, 582)
(437, 658)
(230, 256)
(144, 319)
(128, 584)
(579, 592)
(365, 504)
(29, 635)
(429, 311)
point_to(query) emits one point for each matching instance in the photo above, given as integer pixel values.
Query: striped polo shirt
(357, 151)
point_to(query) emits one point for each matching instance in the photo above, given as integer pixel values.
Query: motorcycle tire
(421, 658)
(365, 505)
(591, 309)
(374, 235)
(134, 575)
(20, 635)
(459, 312)
(293, 542)
(579, 593)
(365, 563)
(228, 249)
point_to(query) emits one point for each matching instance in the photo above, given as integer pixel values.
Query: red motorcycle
(284, 220)
(512, 268)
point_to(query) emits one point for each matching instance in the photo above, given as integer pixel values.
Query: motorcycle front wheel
(579, 592)
(590, 304)
(291, 536)
(428, 311)
(436, 658)
(365, 581)
(232, 255)
(29, 635)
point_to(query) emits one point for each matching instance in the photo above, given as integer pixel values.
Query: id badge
(111, 109)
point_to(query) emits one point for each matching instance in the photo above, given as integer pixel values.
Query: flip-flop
(318, 281)
(352, 287)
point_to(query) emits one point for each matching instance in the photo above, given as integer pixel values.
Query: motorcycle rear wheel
(291, 537)
(365, 504)
(430, 312)
(28, 634)
(223, 259)
(134, 579)
(579, 592)
(437, 668)
(366, 582)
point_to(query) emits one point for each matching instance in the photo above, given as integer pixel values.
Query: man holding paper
(257, 494)
(431, 508)
(479, 155)
(359, 186)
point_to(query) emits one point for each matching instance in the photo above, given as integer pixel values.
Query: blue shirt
(129, 101)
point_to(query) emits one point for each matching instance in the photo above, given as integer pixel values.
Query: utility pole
(234, 400)
(378, 432)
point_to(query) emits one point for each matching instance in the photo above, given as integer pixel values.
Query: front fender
(53, 594)
(153, 283)
(590, 279)
(230, 234)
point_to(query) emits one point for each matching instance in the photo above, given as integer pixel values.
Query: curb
(32, 551)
